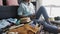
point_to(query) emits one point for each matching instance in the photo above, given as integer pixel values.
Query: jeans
(47, 27)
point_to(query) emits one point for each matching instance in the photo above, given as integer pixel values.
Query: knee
(42, 7)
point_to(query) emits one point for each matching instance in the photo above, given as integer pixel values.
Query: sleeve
(33, 8)
(20, 10)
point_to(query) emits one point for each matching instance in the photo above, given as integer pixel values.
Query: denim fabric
(47, 27)
(42, 11)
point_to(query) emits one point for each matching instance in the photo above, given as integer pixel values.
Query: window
(52, 7)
